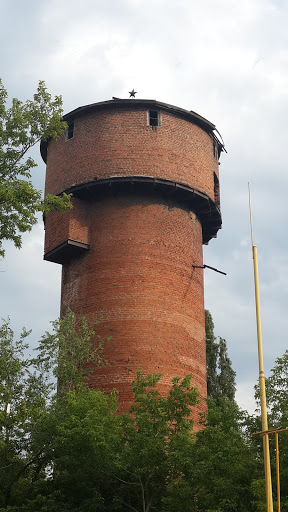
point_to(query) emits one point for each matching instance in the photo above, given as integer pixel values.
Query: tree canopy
(220, 374)
(28, 390)
(22, 125)
(68, 450)
(225, 466)
(71, 451)
(277, 406)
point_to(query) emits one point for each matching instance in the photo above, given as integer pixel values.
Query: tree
(220, 374)
(23, 397)
(69, 451)
(226, 377)
(158, 442)
(106, 462)
(27, 397)
(277, 406)
(81, 436)
(229, 472)
(277, 392)
(212, 351)
(73, 452)
(22, 126)
(225, 468)
(68, 354)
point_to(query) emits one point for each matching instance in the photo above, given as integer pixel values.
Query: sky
(224, 59)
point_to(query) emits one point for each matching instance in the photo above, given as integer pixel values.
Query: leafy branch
(21, 127)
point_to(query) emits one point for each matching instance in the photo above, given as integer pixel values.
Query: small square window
(69, 131)
(154, 118)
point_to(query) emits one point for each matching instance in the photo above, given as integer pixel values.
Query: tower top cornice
(136, 104)
(139, 104)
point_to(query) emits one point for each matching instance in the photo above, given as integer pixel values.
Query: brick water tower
(145, 184)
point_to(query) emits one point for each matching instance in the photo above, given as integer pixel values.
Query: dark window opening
(216, 191)
(215, 150)
(154, 118)
(70, 131)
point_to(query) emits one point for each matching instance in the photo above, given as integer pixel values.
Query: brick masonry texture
(138, 276)
(139, 280)
(117, 143)
(73, 224)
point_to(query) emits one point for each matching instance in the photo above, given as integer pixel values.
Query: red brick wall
(138, 278)
(73, 224)
(138, 275)
(119, 143)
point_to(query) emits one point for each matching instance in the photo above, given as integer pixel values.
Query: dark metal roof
(138, 104)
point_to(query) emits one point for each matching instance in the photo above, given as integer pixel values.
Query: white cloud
(245, 396)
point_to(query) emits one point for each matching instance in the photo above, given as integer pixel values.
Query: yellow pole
(261, 376)
(262, 386)
(277, 471)
(267, 471)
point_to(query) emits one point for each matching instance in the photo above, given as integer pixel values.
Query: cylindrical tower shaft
(144, 178)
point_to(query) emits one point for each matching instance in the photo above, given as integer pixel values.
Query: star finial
(132, 93)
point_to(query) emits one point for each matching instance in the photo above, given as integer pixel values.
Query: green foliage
(277, 392)
(212, 350)
(220, 374)
(277, 402)
(258, 491)
(69, 352)
(277, 405)
(82, 436)
(104, 461)
(74, 453)
(224, 463)
(158, 439)
(84, 457)
(22, 126)
(23, 397)
(27, 407)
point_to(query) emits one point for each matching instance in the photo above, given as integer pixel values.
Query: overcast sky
(224, 59)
